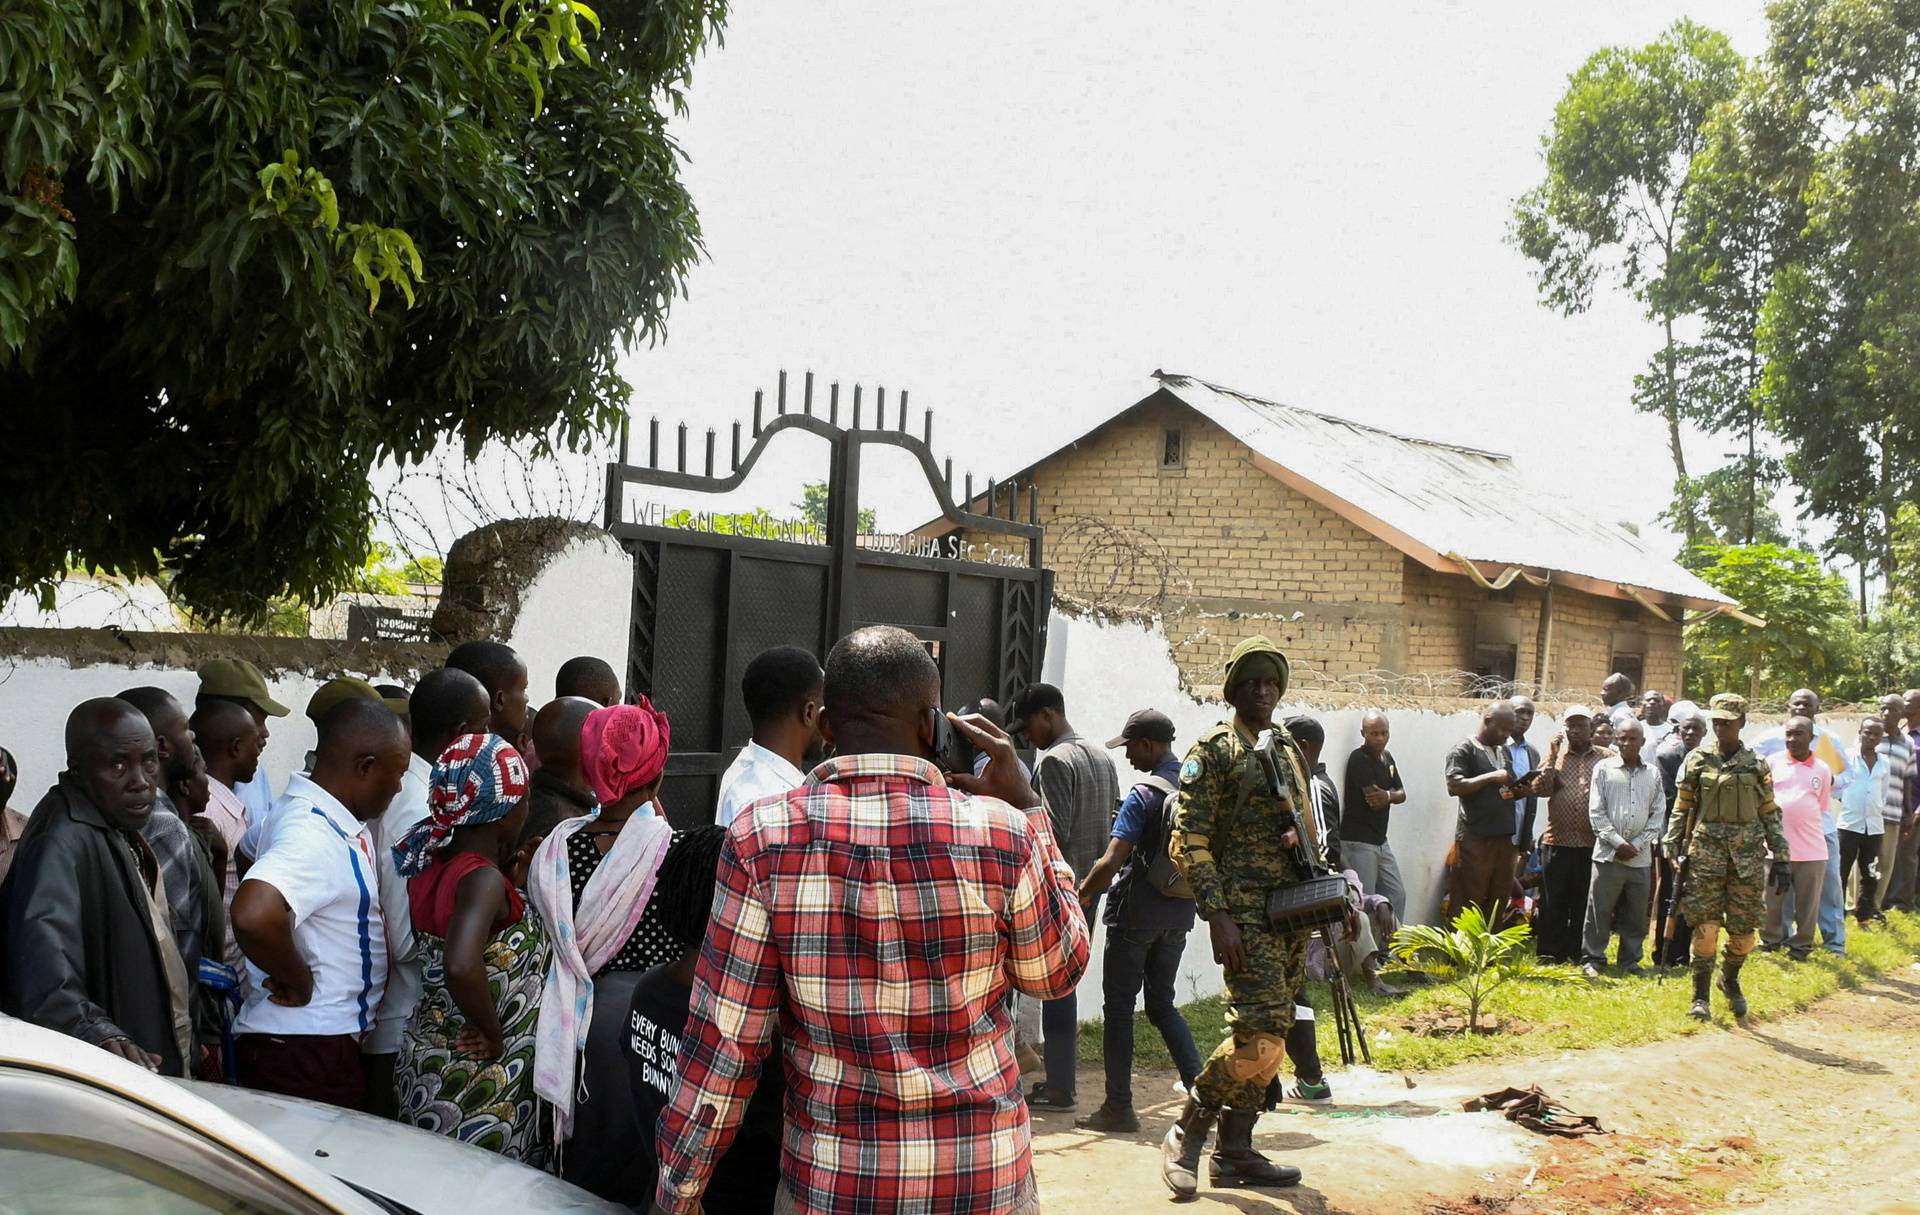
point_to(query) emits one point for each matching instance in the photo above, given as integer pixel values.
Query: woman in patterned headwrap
(465, 1067)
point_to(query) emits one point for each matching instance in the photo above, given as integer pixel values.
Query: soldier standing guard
(1236, 839)
(1724, 821)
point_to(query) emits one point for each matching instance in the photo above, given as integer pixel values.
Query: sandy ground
(1812, 1114)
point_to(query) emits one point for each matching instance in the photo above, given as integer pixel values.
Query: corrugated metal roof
(1446, 498)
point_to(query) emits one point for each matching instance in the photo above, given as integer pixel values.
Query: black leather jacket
(77, 948)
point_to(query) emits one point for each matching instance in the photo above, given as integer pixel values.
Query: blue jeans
(1833, 899)
(1149, 958)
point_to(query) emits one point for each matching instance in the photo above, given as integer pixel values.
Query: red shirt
(876, 918)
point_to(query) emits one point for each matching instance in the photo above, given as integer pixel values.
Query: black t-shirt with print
(747, 1178)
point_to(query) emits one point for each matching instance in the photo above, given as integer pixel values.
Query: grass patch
(1611, 1012)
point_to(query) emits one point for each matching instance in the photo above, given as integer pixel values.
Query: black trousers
(1860, 849)
(1565, 881)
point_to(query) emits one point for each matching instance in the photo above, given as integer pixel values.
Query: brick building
(1360, 550)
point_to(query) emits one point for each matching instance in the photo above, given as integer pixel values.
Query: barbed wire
(430, 505)
(1111, 563)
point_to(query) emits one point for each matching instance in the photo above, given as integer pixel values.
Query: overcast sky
(1019, 211)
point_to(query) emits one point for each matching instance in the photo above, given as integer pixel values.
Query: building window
(1173, 449)
(1495, 667)
(1633, 666)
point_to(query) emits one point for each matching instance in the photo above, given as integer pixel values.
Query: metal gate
(704, 603)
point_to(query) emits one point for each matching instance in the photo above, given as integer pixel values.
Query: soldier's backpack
(1162, 874)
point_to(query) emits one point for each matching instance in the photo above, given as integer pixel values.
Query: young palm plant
(1473, 958)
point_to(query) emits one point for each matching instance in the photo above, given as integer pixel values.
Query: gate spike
(927, 421)
(880, 407)
(902, 428)
(947, 471)
(758, 397)
(993, 493)
(709, 451)
(736, 447)
(683, 447)
(856, 407)
(780, 400)
(806, 400)
(968, 504)
(1033, 503)
(653, 441)
(833, 404)
(626, 422)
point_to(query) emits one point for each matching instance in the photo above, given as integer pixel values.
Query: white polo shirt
(321, 860)
(754, 773)
(261, 823)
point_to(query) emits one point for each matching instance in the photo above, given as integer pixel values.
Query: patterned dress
(487, 1103)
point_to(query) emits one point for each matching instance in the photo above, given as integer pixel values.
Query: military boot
(1702, 983)
(1730, 984)
(1236, 1163)
(1180, 1150)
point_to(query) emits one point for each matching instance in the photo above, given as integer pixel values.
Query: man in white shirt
(445, 704)
(308, 916)
(783, 688)
(260, 827)
(230, 742)
(239, 681)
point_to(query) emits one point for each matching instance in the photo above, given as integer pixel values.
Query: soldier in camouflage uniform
(1236, 839)
(1723, 823)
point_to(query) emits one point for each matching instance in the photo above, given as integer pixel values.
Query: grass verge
(1551, 1017)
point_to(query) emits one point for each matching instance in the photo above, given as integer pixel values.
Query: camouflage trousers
(1259, 1012)
(1726, 877)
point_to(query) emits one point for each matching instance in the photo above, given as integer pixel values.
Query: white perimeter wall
(1107, 670)
(36, 694)
(580, 603)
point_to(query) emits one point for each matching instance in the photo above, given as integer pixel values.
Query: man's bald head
(446, 704)
(1615, 688)
(170, 729)
(112, 754)
(1805, 702)
(229, 738)
(1497, 722)
(880, 687)
(361, 756)
(358, 726)
(556, 732)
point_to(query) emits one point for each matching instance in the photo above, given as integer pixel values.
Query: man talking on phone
(878, 915)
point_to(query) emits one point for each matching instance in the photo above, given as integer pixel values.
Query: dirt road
(1808, 1115)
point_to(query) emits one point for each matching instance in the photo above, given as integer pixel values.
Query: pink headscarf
(623, 747)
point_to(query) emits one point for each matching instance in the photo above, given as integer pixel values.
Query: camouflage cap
(1258, 651)
(238, 679)
(1727, 706)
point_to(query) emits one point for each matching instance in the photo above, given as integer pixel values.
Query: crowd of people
(1654, 831)
(477, 919)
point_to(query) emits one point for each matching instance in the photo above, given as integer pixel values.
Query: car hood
(429, 1173)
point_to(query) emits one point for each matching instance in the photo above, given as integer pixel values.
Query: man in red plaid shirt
(879, 918)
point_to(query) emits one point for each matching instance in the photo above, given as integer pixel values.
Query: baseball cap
(1727, 706)
(1144, 723)
(238, 679)
(1576, 711)
(345, 687)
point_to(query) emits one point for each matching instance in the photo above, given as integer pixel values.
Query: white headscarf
(610, 906)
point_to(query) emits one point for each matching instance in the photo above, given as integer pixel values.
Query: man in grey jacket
(1080, 789)
(1627, 805)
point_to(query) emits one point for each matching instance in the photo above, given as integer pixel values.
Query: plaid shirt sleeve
(1046, 926)
(729, 1031)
